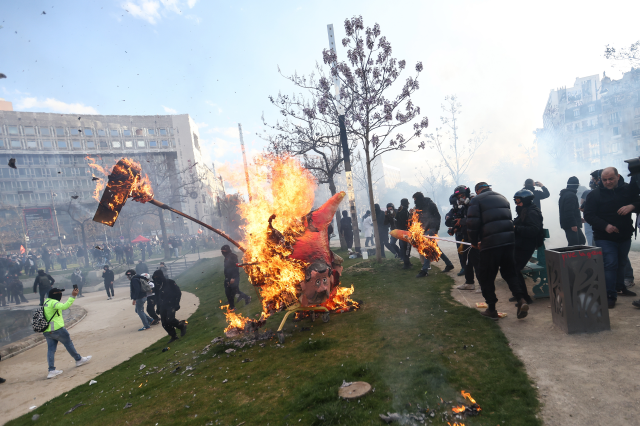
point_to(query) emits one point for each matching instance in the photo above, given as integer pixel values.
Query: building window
(62, 144)
(153, 144)
(614, 147)
(615, 117)
(77, 145)
(59, 131)
(15, 144)
(139, 132)
(46, 172)
(47, 144)
(116, 144)
(44, 131)
(74, 132)
(163, 132)
(29, 131)
(128, 144)
(151, 132)
(171, 131)
(592, 108)
(616, 131)
(1, 143)
(13, 130)
(32, 145)
(114, 133)
(101, 132)
(104, 144)
(88, 131)
(141, 144)
(75, 171)
(126, 132)
(576, 113)
(91, 145)
(165, 143)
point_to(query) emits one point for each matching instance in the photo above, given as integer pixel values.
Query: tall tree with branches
(374, 116)
(308, 133)
(629, 54)
(456, 155)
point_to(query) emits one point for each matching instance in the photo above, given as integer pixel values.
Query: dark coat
(231, 271)
(538, 195)
(108, 276)
(39, 281)
(489, 221)
(402, 218)
(569, 209)
(429, 215)
(458, 212)
(142, 268)
(168, 295)
(528, 226)
(135, 288)
(601, 209)
(346, 226)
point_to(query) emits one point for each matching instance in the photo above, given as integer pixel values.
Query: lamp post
(55, 215)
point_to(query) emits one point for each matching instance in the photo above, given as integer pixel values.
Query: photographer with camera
(530, 185)
(455, 220)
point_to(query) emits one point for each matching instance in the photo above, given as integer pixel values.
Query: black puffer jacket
(569, 209)
(601, 209)
(402, 216)
(489, 221)
(429, 215)
(528, 226)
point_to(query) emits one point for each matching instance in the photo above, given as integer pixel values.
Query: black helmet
(460, 189)
(525, 195)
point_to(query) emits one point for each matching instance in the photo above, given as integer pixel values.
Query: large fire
(427, 247)
(277, 219)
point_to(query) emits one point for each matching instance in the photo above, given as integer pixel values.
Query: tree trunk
(376, 231)
(332, 189)
(163, 227)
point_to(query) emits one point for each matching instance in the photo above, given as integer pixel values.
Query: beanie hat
(573, 183)
(481, 185)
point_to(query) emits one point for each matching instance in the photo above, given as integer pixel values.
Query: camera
(634, 166)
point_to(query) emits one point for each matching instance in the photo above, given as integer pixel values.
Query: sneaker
(626, 292)
(144, 328)
(636, 303)
(83, 360)
(611, 303)
(53, 374)
(422, 274)
(490, 314)
(2, 380)
(478, 290)
(466, 287)
(173, 339)
(523, 309)
(448, 268)
(461, 273)
(629, 282)
(183, 330)
(155, 322)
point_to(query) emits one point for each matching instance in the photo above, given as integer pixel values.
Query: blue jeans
(588, 233)
(614, 255)
(426, 263)
(141, 313)
(53, 337)
(43, 294)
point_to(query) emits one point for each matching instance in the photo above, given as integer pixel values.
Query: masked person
(538, 195)
(383, 231)
(44, 281)
(528, 229)
(570, 217)
(17, 289)
(390, 224)
(429, 217)
(56, 332)
(491, 231)
(168, 297)
(108, 278)
(346, 227)
(151, 299)
(138, 297)
(78, 280)
(402, 223)
(232, 278)
(459, 201)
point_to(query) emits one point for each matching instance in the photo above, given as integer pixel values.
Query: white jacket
(367, 227)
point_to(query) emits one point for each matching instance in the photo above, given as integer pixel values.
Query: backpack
(44, 281)
(39, 321)
(144, 284)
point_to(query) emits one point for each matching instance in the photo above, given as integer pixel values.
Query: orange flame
(340, 300)
(455, 424)
(101, 182)
(459, 409)
(467, 395)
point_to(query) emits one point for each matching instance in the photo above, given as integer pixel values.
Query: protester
(142, 268)
(529, 233)
(608, 210)
(383, 231)
(46, 258)
(430, 219)
(402, 223)
(367, 229)
(62, 258)
(530, 185)
(45, 282)
(593, 184)
(151, 299)
(168, 296)
(390, 224)
(232, 278)
(491, 231)
(109, 278)
(139, 297)
(17, 289)
(570, 218)
(56, 332)
(78, 280)
(346, 227)
(164, 269)
(457, 220)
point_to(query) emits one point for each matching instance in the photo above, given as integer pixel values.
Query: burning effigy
(426, 245)
(286, 243)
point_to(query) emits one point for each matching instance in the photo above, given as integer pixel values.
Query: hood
(568, 190)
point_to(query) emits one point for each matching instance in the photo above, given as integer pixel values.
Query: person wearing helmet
(529, 234)
(455, 220)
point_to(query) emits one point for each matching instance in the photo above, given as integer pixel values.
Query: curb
(27, 343)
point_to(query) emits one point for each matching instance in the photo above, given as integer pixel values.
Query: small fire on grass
(468, 410)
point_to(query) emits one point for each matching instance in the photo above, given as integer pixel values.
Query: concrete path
(109, 333)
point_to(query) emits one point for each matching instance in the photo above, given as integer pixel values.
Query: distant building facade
(51, 149)
(595, 122)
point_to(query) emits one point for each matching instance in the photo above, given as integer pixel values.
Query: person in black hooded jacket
(383, 231)
(346, 227)
(390, 223)
(402, 223)
(491, 231)
(530, 185)
(570, 218)
(528, 229)
(168, 295)
(429, 217)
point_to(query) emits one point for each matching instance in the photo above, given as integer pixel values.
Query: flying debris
(2, 75)
(12, 163)
(98, 247)
(43, 13)
(79, 118)
(95, 178)
(75, 197)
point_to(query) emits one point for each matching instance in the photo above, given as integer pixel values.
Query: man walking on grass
(56, 332)
(232, 278)
(138, 297)
(168, 295)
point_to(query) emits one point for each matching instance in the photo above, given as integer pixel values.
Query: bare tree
(373, 116)
(434, 182)
(83, 217)
(456, 155)
(629, 54)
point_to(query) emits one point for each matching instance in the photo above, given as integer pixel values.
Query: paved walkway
(109, 333)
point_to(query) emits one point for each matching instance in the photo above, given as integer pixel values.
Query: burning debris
(427, 247)
(467, 410)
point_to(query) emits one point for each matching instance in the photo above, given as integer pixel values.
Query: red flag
(22, 250)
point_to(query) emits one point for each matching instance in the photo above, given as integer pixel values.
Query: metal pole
(345, 149)
(55, 215)
(244, 158)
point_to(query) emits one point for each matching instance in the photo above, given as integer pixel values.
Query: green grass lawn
(410, 340)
